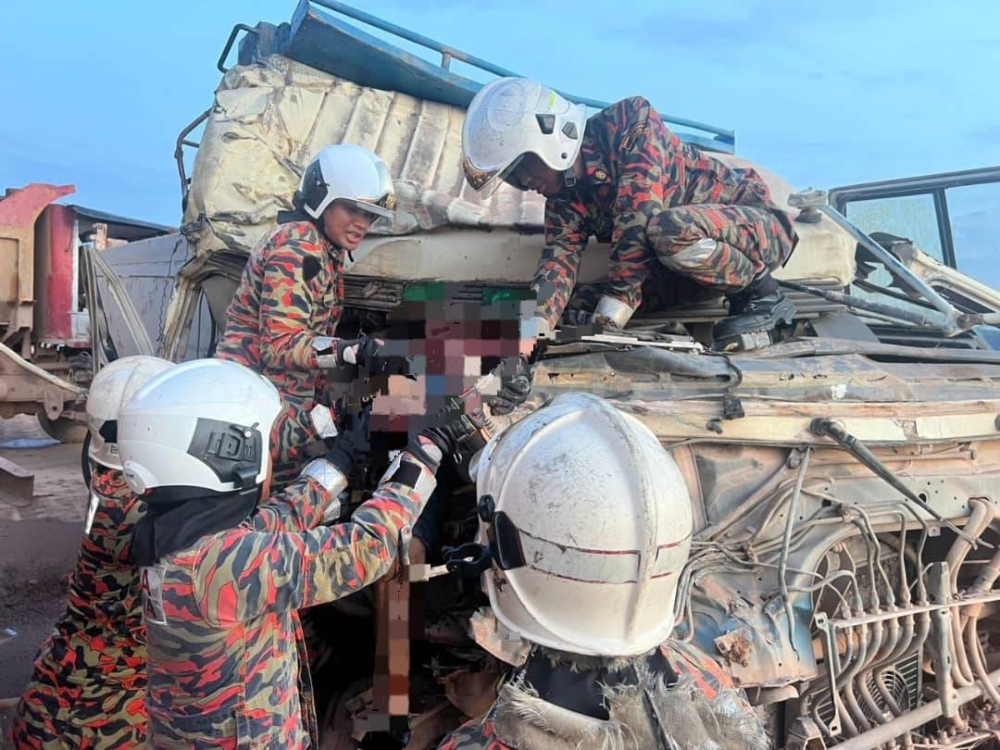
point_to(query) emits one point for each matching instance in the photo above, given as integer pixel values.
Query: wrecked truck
(845, 480)
(47, 339)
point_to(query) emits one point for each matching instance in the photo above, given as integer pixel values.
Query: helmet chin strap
(569, 178)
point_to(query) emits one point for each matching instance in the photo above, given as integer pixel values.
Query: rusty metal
(943, 657)
(805, 734)
(16, 483)
(18, 212)
(913, 719)
(838, 434)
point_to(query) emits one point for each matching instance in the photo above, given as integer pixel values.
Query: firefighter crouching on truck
(587, 523)
(224, 577)
(624, 178)
(89, 678)
(283, 318)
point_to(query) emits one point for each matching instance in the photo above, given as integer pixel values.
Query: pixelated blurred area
(443, 340)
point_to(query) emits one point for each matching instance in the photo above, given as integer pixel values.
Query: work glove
(459, 431)
(578, 318)
(333, 473)
(342, 451)
(331, 352)
(515, 385)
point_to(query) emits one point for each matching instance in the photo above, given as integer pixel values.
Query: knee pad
(691, 257)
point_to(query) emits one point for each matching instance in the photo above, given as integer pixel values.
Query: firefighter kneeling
(588, 524)
(223, 577)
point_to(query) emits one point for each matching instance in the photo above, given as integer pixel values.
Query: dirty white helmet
(110, 390)
(589, 523)
(204, 424)
(511, 117)
(350, 173)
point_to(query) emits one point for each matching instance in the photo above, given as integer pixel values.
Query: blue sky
(823, 93)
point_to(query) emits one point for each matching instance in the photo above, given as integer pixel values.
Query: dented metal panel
(148, 271)
(270, 119)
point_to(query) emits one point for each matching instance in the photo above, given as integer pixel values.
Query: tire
(62, 429)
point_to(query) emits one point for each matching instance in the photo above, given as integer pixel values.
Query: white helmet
(204, 424)
(511, 117)
(589, 523)
(111, 389)
(350, 173)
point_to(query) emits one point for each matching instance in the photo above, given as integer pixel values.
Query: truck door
(953, 217)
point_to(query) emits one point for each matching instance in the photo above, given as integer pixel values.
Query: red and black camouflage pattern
(750, 240)
(686, 661)
(89, 678)
(635, 169)
(227, 669)
(292, 292)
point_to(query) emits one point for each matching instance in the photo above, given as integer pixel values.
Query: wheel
(85, 460)
(62, 429)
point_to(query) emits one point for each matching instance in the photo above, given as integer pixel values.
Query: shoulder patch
(310, 268)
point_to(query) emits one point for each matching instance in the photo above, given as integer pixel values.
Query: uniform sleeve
(287, 299)
(299, 507)
(565, 240)
(643, 145)
(242, 578)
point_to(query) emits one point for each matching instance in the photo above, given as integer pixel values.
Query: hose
(980, 519)
(860, 683)
(975, 649)
(914, 719)
(829, 428)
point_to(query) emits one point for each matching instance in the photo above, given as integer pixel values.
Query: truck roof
(325, 42)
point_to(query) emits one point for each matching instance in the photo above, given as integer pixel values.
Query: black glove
(515, 385)
(342, 450)
(600, 323)
(578, 318)
(459, 434)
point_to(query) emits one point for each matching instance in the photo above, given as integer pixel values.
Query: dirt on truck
(844, 479)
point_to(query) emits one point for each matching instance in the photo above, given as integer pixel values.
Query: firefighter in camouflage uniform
(224, 578)
(589, 523)
(89, 677)
(624, 178)
(283, 318)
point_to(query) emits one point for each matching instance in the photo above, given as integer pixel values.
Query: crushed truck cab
(844, 479)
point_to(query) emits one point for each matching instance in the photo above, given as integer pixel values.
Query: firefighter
(89, 676)
(624, 178)
(283, 318)
(587, 523)
(224, 578)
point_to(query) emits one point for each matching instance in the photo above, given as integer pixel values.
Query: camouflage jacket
(292, 292)
(635, 168)
(226, 653)
(86, 689)
(721, 716)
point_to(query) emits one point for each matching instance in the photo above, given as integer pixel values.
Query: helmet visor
(486, 182)
(375, 208)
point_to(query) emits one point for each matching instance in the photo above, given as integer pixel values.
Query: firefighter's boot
(755, 313)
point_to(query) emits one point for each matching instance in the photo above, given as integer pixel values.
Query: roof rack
(322, 41)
